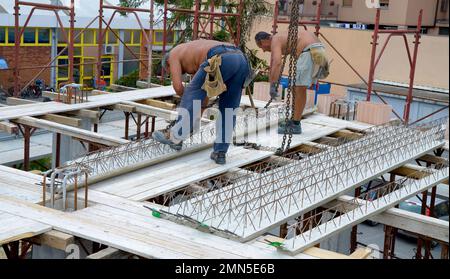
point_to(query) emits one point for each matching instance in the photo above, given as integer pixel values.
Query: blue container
(321, 88)
(284, 81)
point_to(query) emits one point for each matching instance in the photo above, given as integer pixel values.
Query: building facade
(394, 14)
(43, 40)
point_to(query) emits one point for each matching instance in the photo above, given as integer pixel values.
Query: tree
(131, 3)
(251, 11)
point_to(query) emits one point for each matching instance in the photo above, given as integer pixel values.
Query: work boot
(289, 127)
(163, 138)
(219, 157)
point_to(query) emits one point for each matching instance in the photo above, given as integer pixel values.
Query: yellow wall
(432, 65)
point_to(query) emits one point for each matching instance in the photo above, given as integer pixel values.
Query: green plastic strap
(204, 225)
(156, 214)
(276, 244)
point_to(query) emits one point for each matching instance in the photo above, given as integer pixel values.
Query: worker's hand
(274, 91)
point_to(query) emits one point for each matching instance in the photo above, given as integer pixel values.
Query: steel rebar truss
(310, 231)
(105, 162)
(253, 201)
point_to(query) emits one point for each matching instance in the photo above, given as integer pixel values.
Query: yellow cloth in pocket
(214, 85)
(320, 60)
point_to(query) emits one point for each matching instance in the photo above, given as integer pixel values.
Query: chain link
(292, 48)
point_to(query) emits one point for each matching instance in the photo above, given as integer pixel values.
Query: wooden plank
(428, 158)
(122, 107)
(334, 122)
(93, 115)
(54, 239)
(14, 112)
(80, 113)
(12, 101)
(361, 253)
(70, 131)
(153, 111)
(347, 134)
(159, 104)
(64, 120)
(109, 253)
(313, 251)
(13, 228)
(100, 92)
(121, 87)
(143, 84)
(405, 220)
(145, 236)
(410, 171)
(8, 127)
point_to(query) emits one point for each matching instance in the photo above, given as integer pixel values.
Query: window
(64, 53)
(444, 6)
(2, 35)
(347, 3)
(63, 70)
(106, 67)
(44, 36)
(127, 37)
(77, 36)
(384, 4)
(29, 36)
(77, 51)
(111, 39)
(11, 36)
(136, 37)
(443, 31)
(61, 37)
(89, 68)
(159, 37)
(89, 37)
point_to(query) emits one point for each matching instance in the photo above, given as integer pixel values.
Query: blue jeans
(235, 70)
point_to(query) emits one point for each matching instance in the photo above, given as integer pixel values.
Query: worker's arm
(176, 73)
(276, 61)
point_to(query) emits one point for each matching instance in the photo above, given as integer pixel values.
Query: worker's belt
(221, 49)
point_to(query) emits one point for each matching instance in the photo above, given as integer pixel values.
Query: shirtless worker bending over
(312, 65)
(223, 63)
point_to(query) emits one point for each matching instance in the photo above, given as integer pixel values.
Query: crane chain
(292, 48)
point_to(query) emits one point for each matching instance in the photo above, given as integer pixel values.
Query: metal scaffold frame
(199, 28)
(18, 32)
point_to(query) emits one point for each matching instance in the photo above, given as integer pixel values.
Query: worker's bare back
(305, 38)
(191, 55)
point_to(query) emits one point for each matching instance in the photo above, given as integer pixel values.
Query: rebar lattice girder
(293, 186)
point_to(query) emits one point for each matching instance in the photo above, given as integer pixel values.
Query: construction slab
(174, 174)
(231, 207)
(364, 211)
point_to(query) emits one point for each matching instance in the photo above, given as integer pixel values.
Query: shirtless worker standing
(312, 65)
(192, 58)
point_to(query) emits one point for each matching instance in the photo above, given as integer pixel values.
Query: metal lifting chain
(292, 49)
